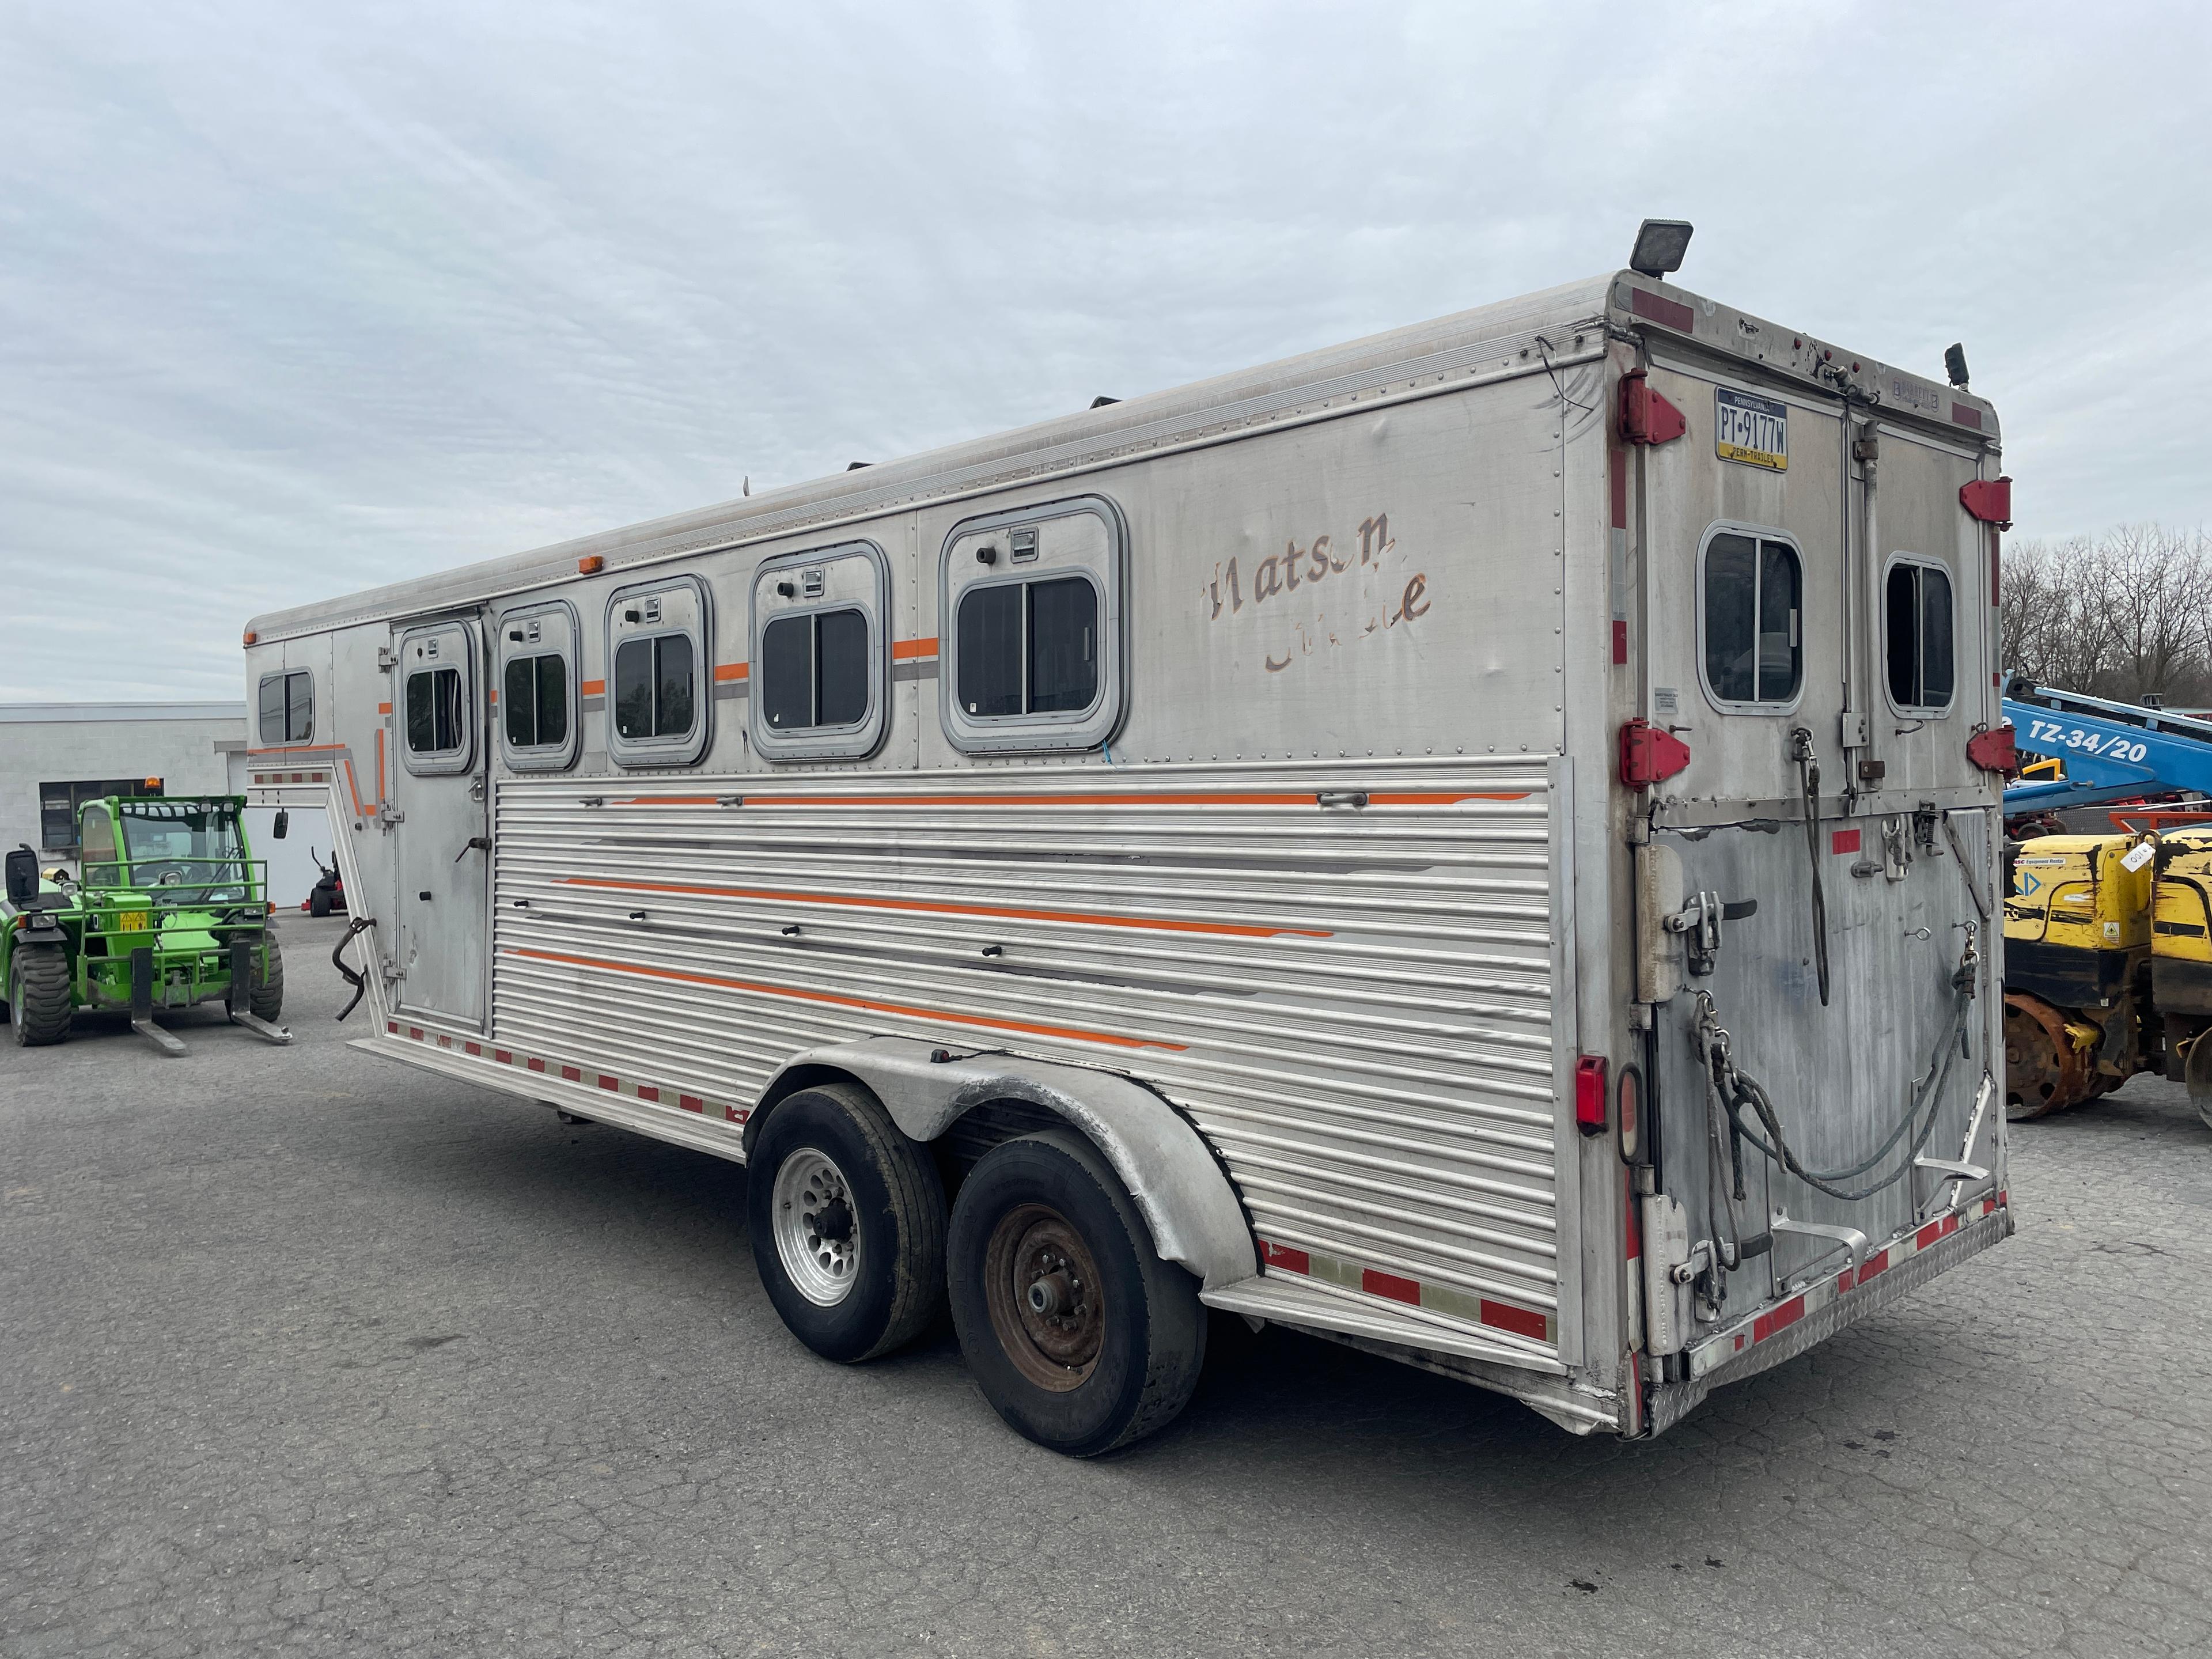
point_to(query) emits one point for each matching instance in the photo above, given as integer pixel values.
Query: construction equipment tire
(2196, 1072)
(1077, 1331)
(39, 995)
(2043, 1072)
(266, 1000)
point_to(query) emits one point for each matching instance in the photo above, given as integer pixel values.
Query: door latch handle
(476, 844)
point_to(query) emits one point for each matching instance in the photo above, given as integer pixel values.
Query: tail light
(1590, 1093)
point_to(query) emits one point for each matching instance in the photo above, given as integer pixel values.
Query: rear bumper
(1785, 1329)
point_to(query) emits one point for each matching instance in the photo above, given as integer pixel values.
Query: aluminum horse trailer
(1477, 844)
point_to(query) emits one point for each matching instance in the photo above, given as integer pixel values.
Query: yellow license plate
(134, 921)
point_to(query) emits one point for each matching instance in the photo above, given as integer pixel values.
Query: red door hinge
(1993, 751)
(1650, 753)
(1646, 417)
(1989, 500)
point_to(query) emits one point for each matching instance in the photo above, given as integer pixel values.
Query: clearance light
(1590, 1093)
(591, 564)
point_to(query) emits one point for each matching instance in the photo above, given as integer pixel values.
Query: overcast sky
(296, 300)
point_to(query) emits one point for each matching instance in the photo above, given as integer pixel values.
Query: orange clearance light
(591, 564)
(251, 636)
(153, 783)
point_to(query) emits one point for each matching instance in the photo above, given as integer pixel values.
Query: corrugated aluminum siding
(1354, 1003)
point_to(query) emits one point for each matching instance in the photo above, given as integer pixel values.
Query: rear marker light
(1628, 1114)
(1590, 1093)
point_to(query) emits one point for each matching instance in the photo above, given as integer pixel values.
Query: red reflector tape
(644, 1091)
(1283, 1256)
(1521, 1322)
(1657, 308)
(571, 1074)
(606, 1082)
(1842, 841)
(1390, 1285)
(1777, 1319)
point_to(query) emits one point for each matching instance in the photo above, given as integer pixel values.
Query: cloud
(293, 303)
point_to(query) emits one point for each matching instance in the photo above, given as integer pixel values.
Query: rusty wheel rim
(1042, 1288)
(2038, 1080)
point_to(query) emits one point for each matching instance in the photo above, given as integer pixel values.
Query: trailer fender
(1182, 1194)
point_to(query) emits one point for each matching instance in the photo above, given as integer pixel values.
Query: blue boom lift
(2111, 751)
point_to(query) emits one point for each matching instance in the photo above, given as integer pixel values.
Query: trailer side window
(820, 678)
(536, 698)
(1029, 647)
(1752, 594)
(288, 708)
(814, 670)
(1917, 601)
(434, 711)
(653, 692)
(659, 686)
(1031, 607)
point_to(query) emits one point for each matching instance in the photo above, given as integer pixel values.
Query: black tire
(39, 1009)
(2197, 1074)
(319, 901)
(884, 1264)
(1112, 1365)
(266, 1000)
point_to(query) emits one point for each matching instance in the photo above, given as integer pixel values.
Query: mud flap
(1667, 1308)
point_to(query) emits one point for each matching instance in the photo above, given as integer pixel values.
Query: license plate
(134, 921)
(1752, 431)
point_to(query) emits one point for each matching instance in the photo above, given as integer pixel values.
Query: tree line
(2122, 615)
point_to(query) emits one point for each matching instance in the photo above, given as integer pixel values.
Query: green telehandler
(169, 909)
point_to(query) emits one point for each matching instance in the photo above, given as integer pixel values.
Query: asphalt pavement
(300, 1348)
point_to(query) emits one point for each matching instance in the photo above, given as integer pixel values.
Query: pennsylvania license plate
(1752, 431)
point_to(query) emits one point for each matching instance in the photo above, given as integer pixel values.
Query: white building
(55, 755)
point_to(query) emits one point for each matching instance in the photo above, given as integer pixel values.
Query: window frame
(283, 678)
(673, 750)
(1107, 571)
(1757, 533)
(855, 740)
(543, 756)
(1909, 711)
(439, 763)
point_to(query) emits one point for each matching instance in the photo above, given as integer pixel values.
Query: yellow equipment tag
(134, 921)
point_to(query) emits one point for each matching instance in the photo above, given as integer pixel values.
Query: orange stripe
(383, 709)
(870, 1006)
(927, 907)
(904, 648)
(593, 688)
(1301, 798)
(732, 671)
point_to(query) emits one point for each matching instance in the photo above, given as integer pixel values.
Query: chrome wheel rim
(817, 1237)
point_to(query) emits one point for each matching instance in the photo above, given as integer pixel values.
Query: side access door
(443, 856)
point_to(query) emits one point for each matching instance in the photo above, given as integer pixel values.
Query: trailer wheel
(847, 1223)
(1079, 1335)
(266, 1000)
(39, 995)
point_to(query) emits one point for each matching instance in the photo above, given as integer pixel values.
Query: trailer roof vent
(1660, 246)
